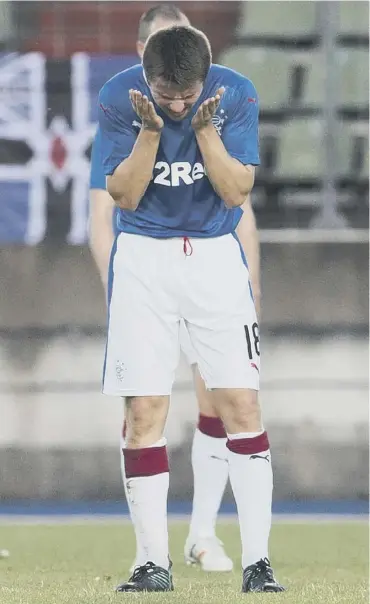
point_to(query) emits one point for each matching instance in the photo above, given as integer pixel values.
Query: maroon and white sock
(147, 480)
(251, 480)
(140, 556)
(211, 472)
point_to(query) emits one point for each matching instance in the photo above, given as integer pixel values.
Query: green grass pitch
(81, 564)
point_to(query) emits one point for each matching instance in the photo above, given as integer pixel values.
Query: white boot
(209, 553)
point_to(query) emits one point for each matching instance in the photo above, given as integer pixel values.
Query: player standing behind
(178, 183)
(209, 452)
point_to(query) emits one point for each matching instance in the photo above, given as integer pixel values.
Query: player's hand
(146, 112)
(206, 111)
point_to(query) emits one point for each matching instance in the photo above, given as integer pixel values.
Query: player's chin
(177, 117)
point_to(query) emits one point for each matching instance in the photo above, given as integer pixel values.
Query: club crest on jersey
(219, 120)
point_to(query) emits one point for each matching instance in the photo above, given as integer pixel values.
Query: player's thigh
(142, 344)
(223, 323)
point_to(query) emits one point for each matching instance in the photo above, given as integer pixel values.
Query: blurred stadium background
(309, 60)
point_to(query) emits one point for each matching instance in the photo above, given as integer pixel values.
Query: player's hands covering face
(146, 112)
(207, 110)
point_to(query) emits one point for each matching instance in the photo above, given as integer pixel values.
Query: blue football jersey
(98, 181)
(180, 199)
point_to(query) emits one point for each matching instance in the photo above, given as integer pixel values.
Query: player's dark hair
(179, 55)
(167, 12)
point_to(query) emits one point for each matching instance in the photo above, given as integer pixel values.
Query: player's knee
(145, 418)
(206, 406)
(239, 409)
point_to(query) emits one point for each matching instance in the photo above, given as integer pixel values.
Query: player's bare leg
(211, 472)
(147, 479)
(251, 480)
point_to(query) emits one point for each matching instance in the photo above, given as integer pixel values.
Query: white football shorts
(157, 283)
(186, 345)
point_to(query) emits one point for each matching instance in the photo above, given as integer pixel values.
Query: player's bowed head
(176, 61)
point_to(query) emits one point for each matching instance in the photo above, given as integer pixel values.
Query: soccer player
(179, 144)
(209, 452)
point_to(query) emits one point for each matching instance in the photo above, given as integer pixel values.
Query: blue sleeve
(97, 176)
(115, 122)
(240, 135)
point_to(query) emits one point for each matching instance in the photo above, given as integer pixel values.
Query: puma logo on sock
(266, 457)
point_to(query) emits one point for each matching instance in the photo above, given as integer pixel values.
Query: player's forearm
(231, 180)
(101, 235)
(248, 236)
(131, 178)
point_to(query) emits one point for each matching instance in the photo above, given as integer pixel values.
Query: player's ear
(140, 48)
